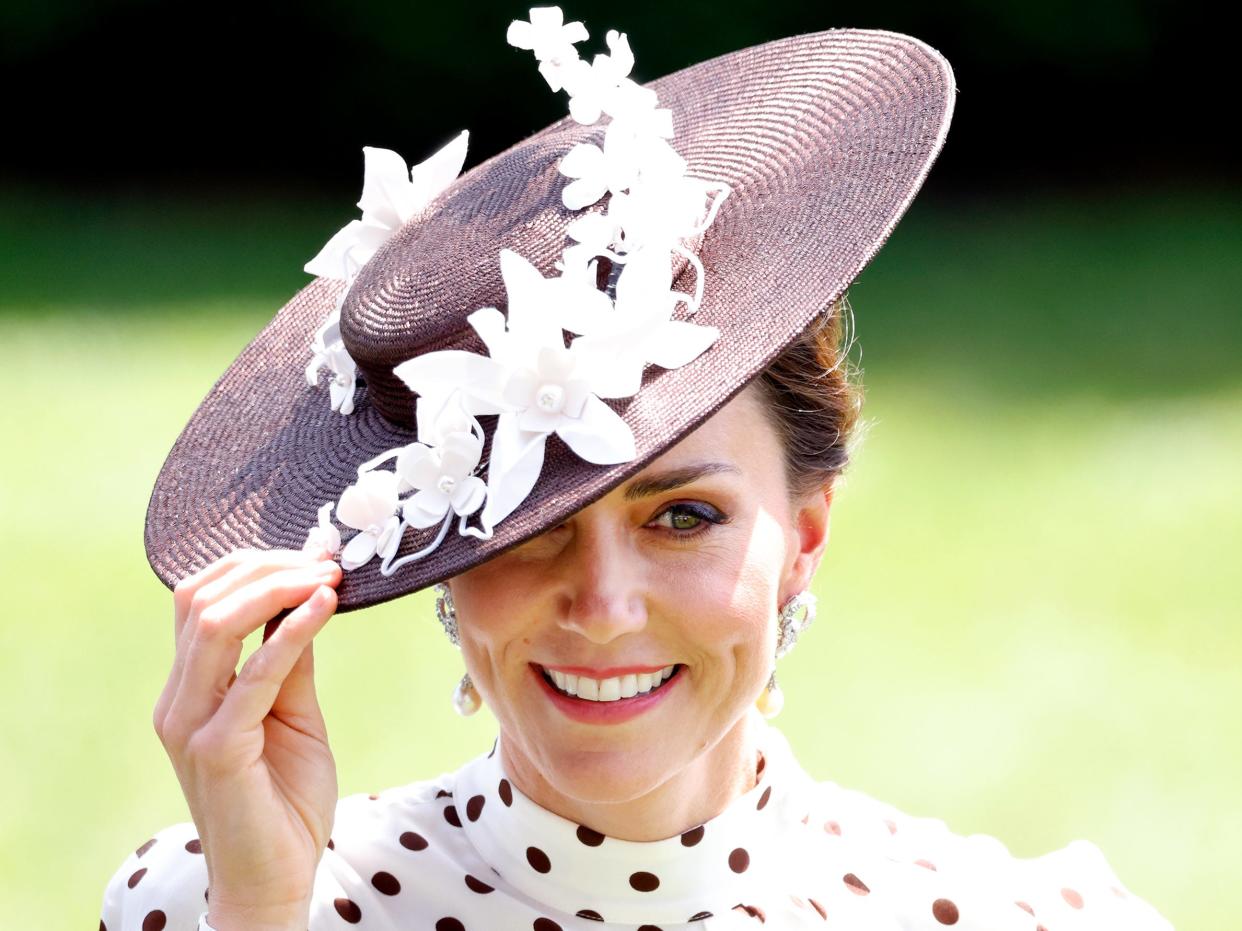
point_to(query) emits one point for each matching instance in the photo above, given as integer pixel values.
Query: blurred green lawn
(1029, 608)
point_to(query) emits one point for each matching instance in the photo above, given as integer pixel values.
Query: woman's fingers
(215, 645)
(278, 677)
(197, 592)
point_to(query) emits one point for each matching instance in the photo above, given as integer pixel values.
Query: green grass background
(1029, 608)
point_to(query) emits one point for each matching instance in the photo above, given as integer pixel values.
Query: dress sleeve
(159, 886)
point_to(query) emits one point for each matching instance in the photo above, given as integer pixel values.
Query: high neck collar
(706, 870)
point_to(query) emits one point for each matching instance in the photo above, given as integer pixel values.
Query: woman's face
(683, 565)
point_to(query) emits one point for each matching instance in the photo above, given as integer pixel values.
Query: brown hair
(813, 398)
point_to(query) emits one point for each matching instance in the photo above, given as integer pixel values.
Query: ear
(810, 539)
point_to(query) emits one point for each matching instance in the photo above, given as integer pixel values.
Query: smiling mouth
(617, 688)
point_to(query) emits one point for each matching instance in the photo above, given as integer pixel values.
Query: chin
(607, 775)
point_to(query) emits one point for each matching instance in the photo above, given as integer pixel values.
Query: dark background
(159, 96)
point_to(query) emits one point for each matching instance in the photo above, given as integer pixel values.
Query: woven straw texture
(824, 138)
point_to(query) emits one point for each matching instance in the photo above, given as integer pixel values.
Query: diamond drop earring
(795, 617)
(466, 698)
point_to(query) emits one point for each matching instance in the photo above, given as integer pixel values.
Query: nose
(604, 592)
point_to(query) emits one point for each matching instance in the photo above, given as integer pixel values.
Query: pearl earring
(466, 699)
(795, 617)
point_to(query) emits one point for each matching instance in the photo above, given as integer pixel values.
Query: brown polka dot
(648, 928)
(474, 807)
(449, 924)
(444, 793)
(823, 912)
(331, 844)
(506, 792)
(739, 859)
(1040, 928)
(590, 914)
(493, 750)
(477, 885)
(373, 797)
(832, 828)
(154, 921)
(451, 816)
(194, 846)
(855, 884)
(763, 799)
(145, 847)
(538, 860)
(386, 883)
(926, 864)
(763, 761)
(136, 877)
(1072, 898)
(545, 924)
(348, 910)
(206, 893)
(412, 840)
(589, 837)
(945, 912)
(700, 916)
(1026, 908)
(692, 836)
(102, 926)
(643, 881)
(806, 819)
(754, 911)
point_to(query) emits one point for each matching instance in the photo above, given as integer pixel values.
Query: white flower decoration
(551, 39)
(325, 534)
(444, 477)
(370, 507)
(391, 195)
(533, 382)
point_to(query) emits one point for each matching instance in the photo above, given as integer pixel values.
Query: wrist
(232, 917)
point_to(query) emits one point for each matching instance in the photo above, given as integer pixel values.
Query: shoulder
(161, 883)
(935, 874)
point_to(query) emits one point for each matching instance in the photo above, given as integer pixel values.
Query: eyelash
(706, 514)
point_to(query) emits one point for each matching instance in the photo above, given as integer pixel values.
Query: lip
(604, 712)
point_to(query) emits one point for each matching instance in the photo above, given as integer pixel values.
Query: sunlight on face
(647, 576)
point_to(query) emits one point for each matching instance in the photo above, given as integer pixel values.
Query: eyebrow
(675, 478)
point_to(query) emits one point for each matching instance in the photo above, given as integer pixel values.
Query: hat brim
(824, 139)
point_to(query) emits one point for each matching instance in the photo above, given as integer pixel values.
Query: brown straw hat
(823, 139)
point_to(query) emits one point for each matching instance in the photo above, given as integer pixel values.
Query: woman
(622, 581)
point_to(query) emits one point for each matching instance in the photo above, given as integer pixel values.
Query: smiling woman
(638, 456)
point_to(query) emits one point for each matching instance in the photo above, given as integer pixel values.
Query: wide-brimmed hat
(808, 150)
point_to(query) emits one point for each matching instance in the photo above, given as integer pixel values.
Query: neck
(689, 797)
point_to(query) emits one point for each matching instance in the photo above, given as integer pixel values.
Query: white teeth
(611, 689)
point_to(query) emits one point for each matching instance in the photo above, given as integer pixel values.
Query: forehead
(739, 433)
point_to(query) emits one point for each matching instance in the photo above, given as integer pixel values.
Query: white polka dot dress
(469, 852)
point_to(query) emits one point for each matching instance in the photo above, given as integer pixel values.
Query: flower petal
(676, 342)
(468, 496)
(426, 508)
(358, 551)
(430, 177)
(599, 435)
(441, 373)
(368, 501)
(417, 464)
(384, 184)
(516, 461)
(584, 192)
(329, 262)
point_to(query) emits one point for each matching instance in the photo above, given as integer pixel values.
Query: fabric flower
(391, 194)
(370, 507)
(592, 88)
(444, 477)
(328, 351)
(325, 535)
(551, 39)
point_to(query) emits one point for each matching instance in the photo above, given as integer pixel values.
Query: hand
(250, 749)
